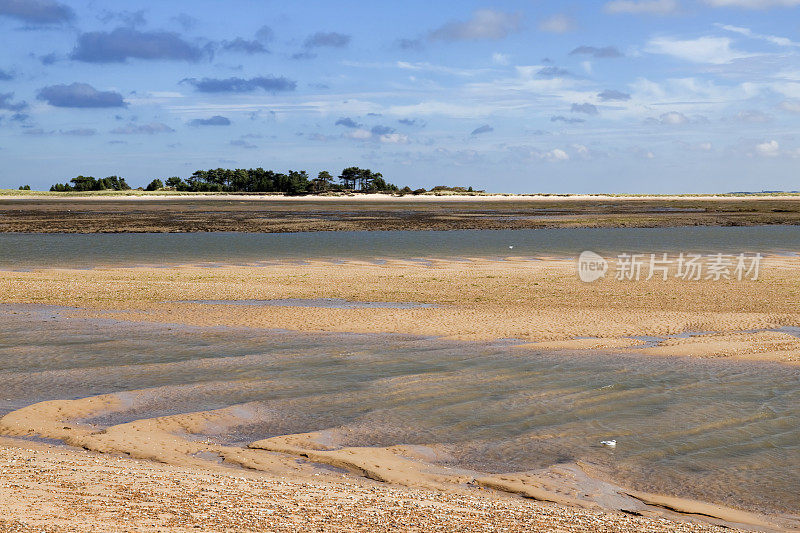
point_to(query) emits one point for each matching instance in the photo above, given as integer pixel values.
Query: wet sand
(279, 214)
(541, 304)
(62, 490)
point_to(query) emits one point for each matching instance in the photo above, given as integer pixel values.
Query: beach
(59, 490)
(536, 305)
(540, 303)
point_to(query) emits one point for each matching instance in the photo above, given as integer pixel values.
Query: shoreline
(172, 441)
(539, 302)
(51, 483)
(280, 214)
(367, 197)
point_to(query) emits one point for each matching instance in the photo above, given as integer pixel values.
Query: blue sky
(515, 96)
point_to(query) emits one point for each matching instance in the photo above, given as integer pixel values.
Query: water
(716, 431)
(23, 251)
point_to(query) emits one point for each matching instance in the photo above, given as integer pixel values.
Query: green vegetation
(247, 181)
(459, 190)
(293, 182)
(155, 185)
(88, 183)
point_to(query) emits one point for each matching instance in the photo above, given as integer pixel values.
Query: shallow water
(24, 251)
(712, 430)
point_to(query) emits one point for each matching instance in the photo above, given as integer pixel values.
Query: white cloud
(792, 106)
(449, 109)
(367, 135)
(673, 118)
(753, 4)
(655, 7)
(559, 23)
(693, 94)
(768, 149)
(789, 89)
(713, 50)
(359, 134)
(500, 59)
(644, 153)
(484, 24)
(581, 151)
(752, 117)
(394, 138)
(747, 32)
(441, 69)
(556, 155)
(696, 147)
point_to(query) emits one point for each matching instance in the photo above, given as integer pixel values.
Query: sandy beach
(63, 490)
(540, 303)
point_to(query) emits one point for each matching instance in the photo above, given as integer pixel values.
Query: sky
(638, 96)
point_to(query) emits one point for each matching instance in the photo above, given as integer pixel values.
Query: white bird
(510, 247)
(609, 443)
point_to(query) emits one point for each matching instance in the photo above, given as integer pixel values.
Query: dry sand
(542, 303)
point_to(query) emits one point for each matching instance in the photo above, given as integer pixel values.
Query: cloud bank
(121, 44)
(485, 24)
(36, 11)
(216, 120)
(270, 84)
(79, 95)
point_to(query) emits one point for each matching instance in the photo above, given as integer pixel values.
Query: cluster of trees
(256, 180)
(88, 183)
(260, 180)
(446, 188)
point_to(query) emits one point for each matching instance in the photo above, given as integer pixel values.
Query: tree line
(89, 183)
(249, 180)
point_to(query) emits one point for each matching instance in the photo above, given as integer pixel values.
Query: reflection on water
(716, 431)
(20, 251)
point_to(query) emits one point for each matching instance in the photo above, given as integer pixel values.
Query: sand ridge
(168, 440)
(63, 490)
(541, 303)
